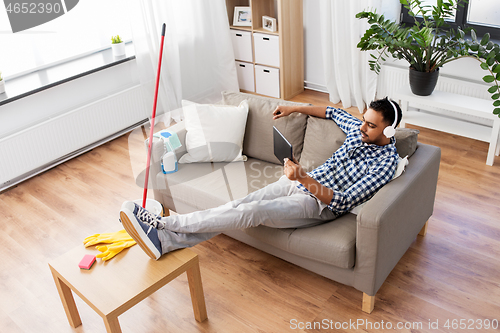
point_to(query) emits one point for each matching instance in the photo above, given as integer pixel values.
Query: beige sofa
(356, 250)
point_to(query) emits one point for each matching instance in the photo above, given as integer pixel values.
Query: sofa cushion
(258, 140)
(331, 243)
(322, 138)
(406, 141)
(199, 186)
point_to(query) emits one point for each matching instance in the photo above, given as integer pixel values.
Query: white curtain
(198, 60)
(347, 73)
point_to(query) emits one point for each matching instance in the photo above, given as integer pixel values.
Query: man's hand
(293, 170)
(316, 111)
(282, 111)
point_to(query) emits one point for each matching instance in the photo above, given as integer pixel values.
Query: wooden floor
(452, 273)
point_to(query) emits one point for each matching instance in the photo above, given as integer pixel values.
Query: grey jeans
(278, 205)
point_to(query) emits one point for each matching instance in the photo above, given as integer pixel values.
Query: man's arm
(316, 111)
(321, 192)
(358, 193)
(344, 120)
(294, 171)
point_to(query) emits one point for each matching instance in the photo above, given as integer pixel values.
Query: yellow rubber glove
(109, 251)
(111, 237)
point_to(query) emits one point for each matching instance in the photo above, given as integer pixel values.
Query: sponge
(87, 261)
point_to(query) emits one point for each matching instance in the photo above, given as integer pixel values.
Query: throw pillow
(322, 138)
(214, 133)
(258, 141)
(406, 141)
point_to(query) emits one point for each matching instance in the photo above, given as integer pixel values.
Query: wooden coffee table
(113, 287)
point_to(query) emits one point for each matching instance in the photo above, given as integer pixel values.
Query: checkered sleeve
(366, 187)
(344, 120)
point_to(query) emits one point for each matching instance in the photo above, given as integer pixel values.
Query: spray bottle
(169, 160)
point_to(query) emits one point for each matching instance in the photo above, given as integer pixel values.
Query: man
(356, 171)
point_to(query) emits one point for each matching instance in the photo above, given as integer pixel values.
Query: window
(86, 28)
(482, 15)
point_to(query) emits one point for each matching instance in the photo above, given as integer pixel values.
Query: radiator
(53, 141)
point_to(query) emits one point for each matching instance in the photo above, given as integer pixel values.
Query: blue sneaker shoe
(143, 233)
(144, 215)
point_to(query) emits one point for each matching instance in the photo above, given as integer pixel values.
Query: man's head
(379, 115)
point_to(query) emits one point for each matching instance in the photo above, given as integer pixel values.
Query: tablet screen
(282, 148)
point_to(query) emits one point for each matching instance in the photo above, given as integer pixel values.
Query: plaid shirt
(357, 170)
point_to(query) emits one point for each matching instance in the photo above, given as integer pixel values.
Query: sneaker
(144, 215)
(143, 233)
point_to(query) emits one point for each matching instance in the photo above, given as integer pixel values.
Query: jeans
(278, 205)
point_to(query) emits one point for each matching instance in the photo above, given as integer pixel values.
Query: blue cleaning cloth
(171, 140)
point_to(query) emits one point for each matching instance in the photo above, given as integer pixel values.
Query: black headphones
(390, 131)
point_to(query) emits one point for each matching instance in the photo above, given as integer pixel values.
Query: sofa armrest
(391, 220)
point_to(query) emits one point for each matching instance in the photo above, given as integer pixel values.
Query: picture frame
(269, 23)
(242, 16)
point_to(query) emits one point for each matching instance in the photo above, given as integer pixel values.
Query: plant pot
(118, 49)
(423, 83)
(2, 86)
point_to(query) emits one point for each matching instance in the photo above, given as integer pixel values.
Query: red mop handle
(150, 145)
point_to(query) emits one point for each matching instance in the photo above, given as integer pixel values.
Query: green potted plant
(429, 44)
(118, 46)
(2, 84)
